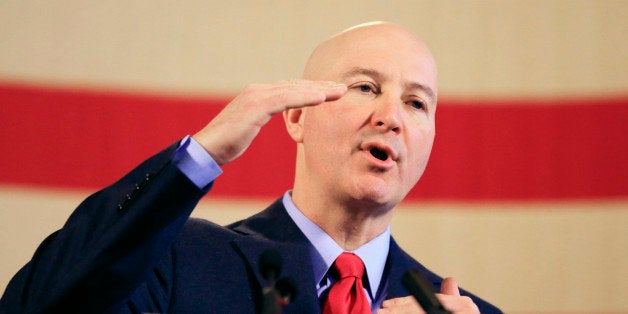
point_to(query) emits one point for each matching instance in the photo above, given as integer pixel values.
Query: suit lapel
(274, 229)
(399, 262)
(397, 266)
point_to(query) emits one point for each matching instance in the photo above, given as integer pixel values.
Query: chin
(376, 195)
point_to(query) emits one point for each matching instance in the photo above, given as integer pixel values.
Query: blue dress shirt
(324, 251)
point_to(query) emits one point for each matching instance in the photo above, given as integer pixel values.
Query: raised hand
(231, 132)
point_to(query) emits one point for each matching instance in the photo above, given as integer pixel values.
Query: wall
(563, 251)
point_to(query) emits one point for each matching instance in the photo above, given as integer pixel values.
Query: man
(363, 121)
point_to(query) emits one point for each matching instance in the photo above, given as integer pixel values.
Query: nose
(386, 116)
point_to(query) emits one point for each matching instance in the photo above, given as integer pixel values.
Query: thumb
(449, 286)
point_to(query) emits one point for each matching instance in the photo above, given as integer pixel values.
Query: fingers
(453, 303)
(299, 93)
(449, 297)
(458, 304)
(400, 305)
(449, 286)
(329, 89)
(451, 300)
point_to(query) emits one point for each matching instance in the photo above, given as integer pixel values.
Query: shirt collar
(325, 250)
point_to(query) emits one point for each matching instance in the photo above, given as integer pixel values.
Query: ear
(294, 123)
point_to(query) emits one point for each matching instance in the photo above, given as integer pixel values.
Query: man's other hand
(449, 297)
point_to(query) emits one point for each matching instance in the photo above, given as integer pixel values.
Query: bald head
(390, 104)
(387, 44)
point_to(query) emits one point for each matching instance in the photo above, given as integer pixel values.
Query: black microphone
(421, 289)
(276, 293)
(287, 290)
(270, 265)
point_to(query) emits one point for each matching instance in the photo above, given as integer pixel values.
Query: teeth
(379, 154)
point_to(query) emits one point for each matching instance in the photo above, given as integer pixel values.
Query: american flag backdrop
(525, 197)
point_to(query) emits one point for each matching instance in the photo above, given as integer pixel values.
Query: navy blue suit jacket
(132, 248)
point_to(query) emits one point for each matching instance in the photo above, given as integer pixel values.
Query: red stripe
(498, 149)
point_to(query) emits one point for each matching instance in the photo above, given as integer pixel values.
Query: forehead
(388, 53)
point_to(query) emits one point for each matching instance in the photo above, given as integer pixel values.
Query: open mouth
(378, 153)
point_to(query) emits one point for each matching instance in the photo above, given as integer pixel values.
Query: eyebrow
(362, 71)
(378, 75)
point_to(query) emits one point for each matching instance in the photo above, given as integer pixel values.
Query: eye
(365, 87)
(417, 104)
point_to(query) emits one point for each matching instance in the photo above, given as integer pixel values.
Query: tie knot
(349, 265)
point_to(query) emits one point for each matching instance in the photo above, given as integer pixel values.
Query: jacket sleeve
(110, 244)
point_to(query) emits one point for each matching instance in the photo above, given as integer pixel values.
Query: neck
(350, 223)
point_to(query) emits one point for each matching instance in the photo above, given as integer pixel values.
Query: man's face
(373, 144)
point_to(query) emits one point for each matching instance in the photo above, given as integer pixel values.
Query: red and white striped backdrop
(534, 149)
(525, 197)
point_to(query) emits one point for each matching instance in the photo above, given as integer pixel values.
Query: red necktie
(347, 295)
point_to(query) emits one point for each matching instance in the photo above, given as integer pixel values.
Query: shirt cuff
(196, 163)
